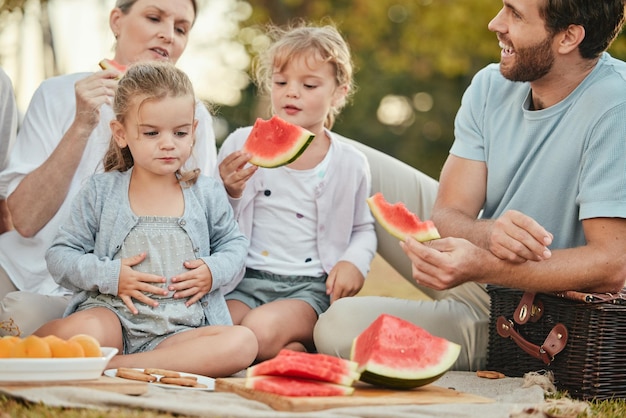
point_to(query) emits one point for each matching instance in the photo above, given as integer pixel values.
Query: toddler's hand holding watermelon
(399, 221)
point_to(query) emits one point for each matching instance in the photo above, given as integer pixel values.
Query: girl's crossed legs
(214, 351)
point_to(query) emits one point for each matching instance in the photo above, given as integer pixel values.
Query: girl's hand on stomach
(91, 93)
(193, 284)
(233, 173)
(343, 280)
(133, 284)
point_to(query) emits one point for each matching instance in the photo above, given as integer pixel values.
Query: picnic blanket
(509, 395)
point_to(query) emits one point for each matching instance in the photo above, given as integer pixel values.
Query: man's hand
(517, 238)
(443, 263)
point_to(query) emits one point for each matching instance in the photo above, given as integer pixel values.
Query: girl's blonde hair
(143, 82)
(301, 39)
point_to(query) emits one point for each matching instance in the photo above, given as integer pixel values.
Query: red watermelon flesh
(107, 64)
(318, 357)
(395, 353)
(290, 386)
(276, 142)
(399, 221)
(318, 367)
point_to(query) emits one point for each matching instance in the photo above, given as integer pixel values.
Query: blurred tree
(11, 5)
(414, 59)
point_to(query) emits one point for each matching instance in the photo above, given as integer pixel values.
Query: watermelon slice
(399, 221)
(275, 142)
(290, 386)
(107, 64)
(395, 353)
(320, 367)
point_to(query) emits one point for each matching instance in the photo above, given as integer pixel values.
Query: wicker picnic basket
(580, 337)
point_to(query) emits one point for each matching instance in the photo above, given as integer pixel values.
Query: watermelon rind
(107, 64)
(395, 353)
(396, 383)
(382, 375)
(399, 221)
(276, 142)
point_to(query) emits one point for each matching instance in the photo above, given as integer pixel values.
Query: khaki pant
(451, 319)
(460, 315)
(21, 313)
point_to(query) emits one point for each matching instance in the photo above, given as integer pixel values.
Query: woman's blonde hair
(146, 81)
(300, 39)
(126, 5)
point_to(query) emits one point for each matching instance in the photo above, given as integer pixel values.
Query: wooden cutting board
(111, 384)
(364, 395)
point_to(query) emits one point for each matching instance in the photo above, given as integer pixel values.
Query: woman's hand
(91, 93)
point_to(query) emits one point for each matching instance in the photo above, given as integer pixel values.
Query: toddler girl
(147, 245)
(311, 232)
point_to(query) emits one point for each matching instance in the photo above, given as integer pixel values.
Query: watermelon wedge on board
(107, 64)
(395, 353)
(320, 367)
(276, 142)
(399, 221)
(290, 386)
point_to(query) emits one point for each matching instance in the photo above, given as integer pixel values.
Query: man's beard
(530, 63)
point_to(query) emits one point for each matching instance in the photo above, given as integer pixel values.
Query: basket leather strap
(528, 309)
(553, 344)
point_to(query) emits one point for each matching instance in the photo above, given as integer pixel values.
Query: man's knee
(21, 313)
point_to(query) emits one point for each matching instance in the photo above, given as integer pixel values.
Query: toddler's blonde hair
(302, 39)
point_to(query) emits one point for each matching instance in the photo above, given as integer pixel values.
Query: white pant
(22, 313)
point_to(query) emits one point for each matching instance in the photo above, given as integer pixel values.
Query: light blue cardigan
(81, 256)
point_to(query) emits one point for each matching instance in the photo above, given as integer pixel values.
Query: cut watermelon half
(290, 386)
(107, 64)
(276, 142)
(399, 221)
(395, 353)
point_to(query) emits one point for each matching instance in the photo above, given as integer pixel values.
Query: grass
(10, 407)
(392, 285)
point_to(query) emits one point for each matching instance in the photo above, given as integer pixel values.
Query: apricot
(90, 345)
(31, 347)
(61, 348)
(6, 343)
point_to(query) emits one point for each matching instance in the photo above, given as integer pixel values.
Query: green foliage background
(399, 47)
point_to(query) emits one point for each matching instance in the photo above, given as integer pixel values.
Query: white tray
(51, 369)
(209, 382)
